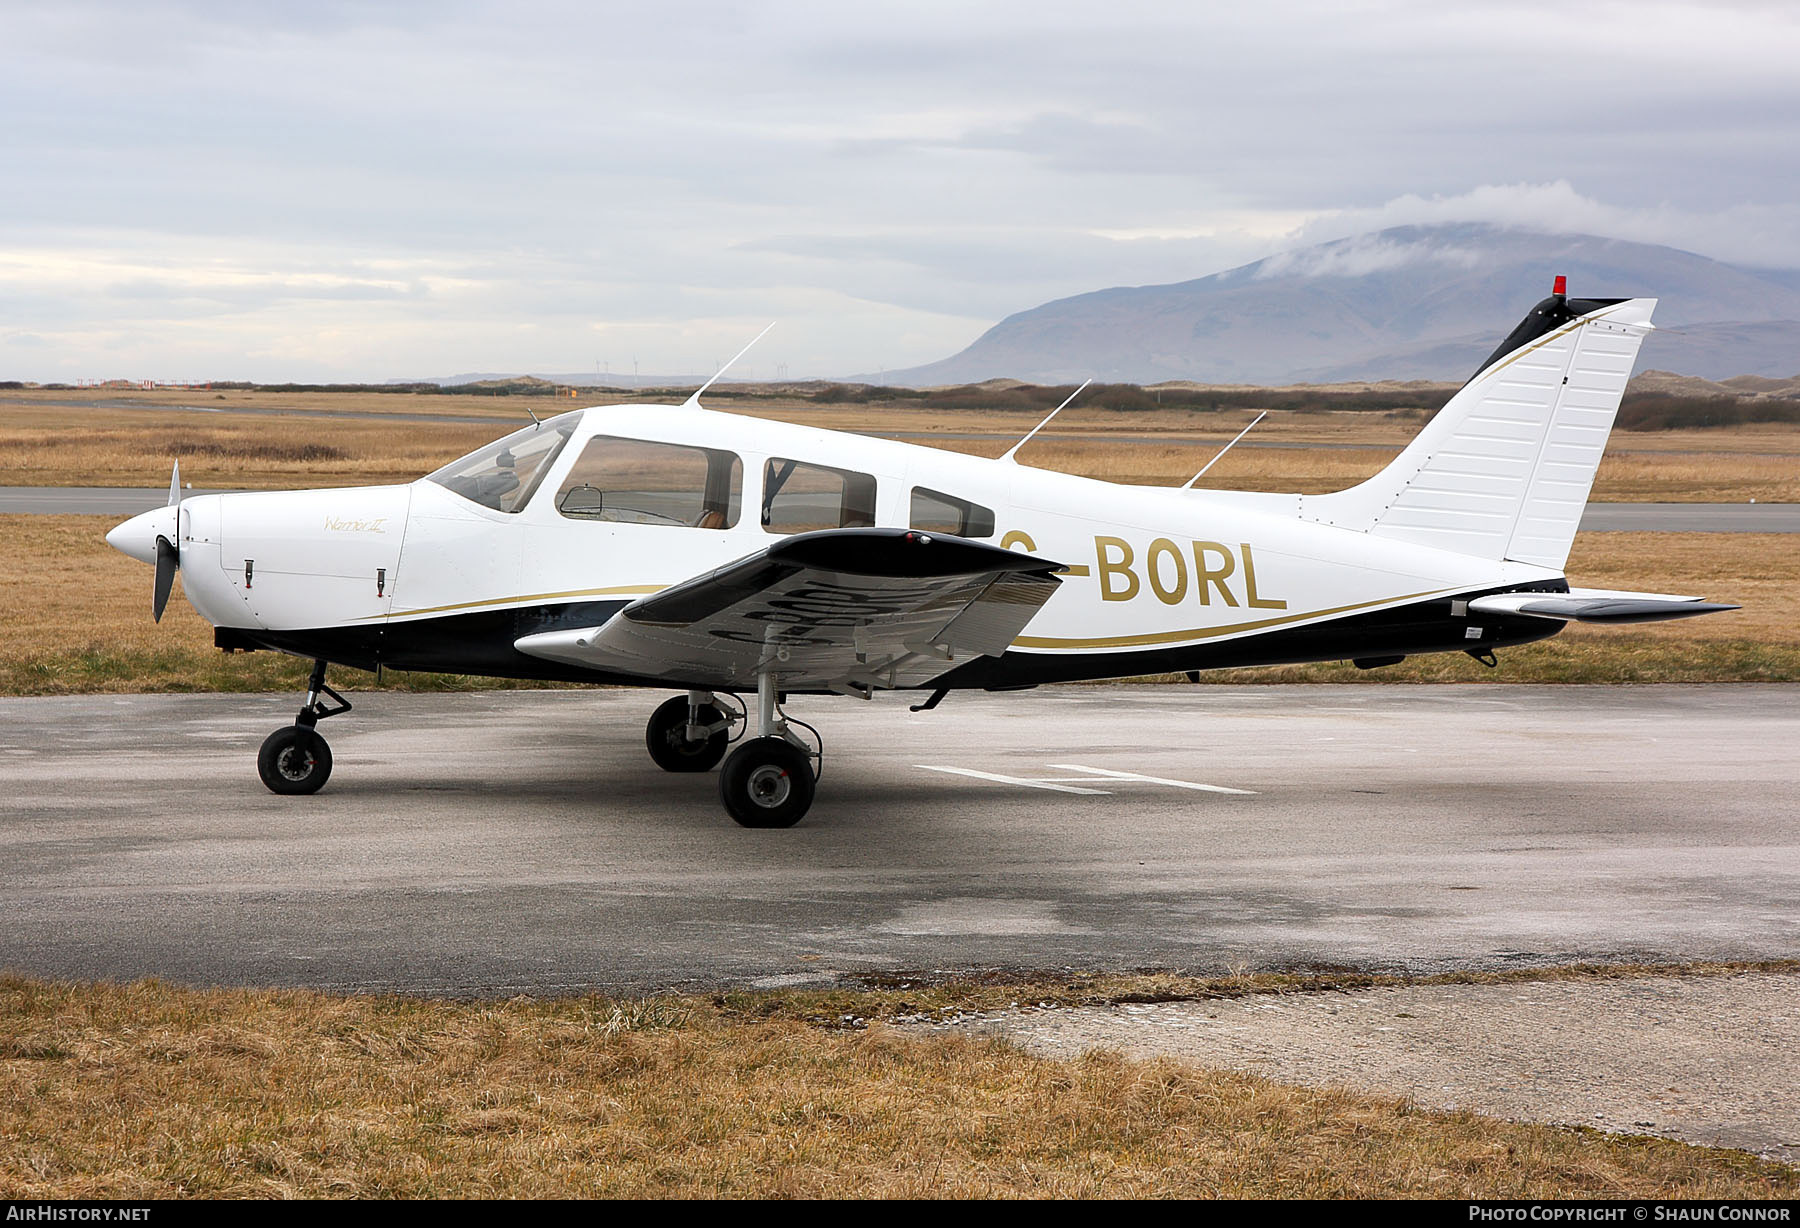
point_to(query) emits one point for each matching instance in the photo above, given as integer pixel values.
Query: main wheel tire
(671, 748)
(767, 782)
(294, 760)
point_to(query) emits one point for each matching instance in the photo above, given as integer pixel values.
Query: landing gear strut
(295, 759)
(689, 734)
(769, 780)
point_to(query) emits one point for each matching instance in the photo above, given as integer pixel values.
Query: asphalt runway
(1691, 518)
(1599, 517)
(86, 500)
(522, 842)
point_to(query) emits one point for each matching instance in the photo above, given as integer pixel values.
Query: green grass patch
(876, 997)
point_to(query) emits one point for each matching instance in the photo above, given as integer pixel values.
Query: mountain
(1413, 302)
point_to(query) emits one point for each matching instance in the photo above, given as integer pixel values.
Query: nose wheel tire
(767, 782)
(666, 736)
(294, 760)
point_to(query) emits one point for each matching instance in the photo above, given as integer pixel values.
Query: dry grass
(74, 610)
(1760, 464)
(1283, 469)
(76, 615)
(150, 1091)
(84, 400)
(1668, 476)
(1759, 643)
(95, 443)
(123, 448)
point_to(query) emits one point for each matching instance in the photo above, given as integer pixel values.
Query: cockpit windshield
(504, 474)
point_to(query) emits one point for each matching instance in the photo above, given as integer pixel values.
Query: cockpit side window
(503, 475)
(940, 513)
(635, 481)
(798, 497)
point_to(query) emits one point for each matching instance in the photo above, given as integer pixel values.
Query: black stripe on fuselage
(1403, 631)
(481, 643)
(478, 642)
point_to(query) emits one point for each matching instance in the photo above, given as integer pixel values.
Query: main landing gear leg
(689, 733)
(295, 759)
(769, 780)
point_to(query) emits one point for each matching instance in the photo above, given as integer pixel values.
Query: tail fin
(1504, 469)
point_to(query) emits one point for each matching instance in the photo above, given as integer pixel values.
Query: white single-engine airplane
(612, 545)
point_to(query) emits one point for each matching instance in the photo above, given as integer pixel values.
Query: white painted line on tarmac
(1011, 780)
(1108, 773)
(1089, 776)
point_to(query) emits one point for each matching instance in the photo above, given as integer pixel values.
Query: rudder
(1504, 469)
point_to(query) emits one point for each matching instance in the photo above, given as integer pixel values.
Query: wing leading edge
(848, 610)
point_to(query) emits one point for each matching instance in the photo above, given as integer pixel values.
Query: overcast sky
(262, 190)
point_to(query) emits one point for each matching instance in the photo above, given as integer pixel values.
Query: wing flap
(842, 609)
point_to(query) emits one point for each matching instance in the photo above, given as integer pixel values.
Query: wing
(1597, 605)
(847, 610)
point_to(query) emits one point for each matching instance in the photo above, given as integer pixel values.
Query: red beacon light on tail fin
(1562, 286)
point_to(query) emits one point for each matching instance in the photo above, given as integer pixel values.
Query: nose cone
(137, 536)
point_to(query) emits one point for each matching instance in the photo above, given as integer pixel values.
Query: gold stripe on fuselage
(622, 590)
(1212, 633)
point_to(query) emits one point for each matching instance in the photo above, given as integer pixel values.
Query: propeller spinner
(155, 537)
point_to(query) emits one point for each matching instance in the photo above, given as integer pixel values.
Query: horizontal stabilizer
(1597, 605)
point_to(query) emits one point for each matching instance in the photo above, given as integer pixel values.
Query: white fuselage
(1149, 568)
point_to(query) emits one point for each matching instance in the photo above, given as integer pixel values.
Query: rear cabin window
(937, 512)
(798, 497)
(634, 481)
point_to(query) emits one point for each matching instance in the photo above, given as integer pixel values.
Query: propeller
(168, 554)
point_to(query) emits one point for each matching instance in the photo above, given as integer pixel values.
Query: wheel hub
(294, 763)
(769, 786)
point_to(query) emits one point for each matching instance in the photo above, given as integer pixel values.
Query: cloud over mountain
(1408, 302)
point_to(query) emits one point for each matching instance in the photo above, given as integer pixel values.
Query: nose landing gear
(295, 758)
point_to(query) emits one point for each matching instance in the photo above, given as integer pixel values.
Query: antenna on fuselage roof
(1189, 484)
(693, 402)
(534, 417)
(1013, 451)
